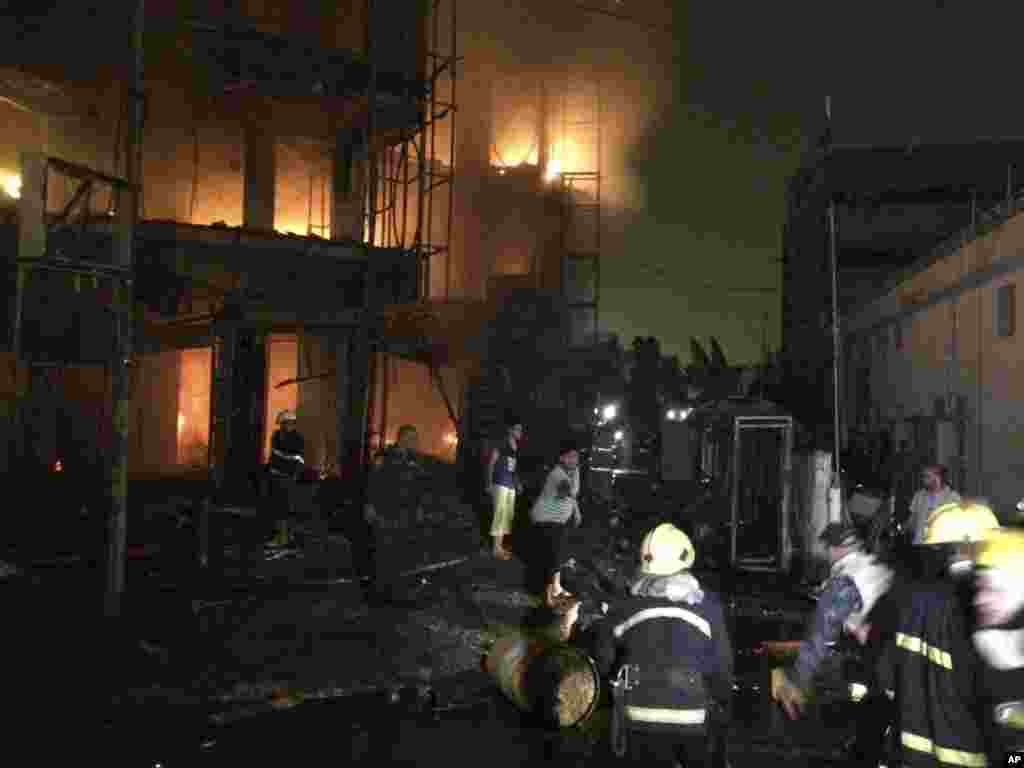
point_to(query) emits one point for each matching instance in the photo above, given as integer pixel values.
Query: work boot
(280, 538)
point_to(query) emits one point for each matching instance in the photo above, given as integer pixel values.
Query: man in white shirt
(551, 513)
(934, 494)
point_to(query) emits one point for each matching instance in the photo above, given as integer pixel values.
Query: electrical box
(678, 461)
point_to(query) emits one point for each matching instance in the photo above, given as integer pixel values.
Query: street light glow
(11, 184)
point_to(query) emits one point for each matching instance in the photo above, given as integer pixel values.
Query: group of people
(944, 638)
(551, 513)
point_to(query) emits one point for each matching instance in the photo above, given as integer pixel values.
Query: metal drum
(556, 681)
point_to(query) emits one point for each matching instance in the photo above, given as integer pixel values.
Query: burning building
(297, 172)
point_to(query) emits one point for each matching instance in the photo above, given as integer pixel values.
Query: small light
(610, 412)
(11, 184)
(619, 434)
(58, 466)
(671, 415)
(858, 691)
(685, 413)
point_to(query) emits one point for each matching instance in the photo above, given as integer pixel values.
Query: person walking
(555, 508)
(669, 644)
(503, 485)
(934, 672)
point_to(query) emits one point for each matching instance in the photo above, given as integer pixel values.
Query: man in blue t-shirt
(502, 484)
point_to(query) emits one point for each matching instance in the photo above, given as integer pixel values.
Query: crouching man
(668, 648)
(857, 581)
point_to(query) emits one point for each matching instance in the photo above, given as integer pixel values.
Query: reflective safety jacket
(673, 636)
(932, 671)
(1002, 650)
(287, 453)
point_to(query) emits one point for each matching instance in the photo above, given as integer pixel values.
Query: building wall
(949, 352)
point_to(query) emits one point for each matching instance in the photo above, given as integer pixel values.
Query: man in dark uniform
(670, 648)
(999, 639)
(858, 580)
(931, 670)
(287, 460)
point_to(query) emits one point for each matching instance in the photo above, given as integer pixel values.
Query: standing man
(551, 514)
(670, 645)
(287, 460)
(503, 485)
(934, 493)
(999, 639)
(394, 503)
(856, 583)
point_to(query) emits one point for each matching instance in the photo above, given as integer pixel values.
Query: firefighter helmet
(666, 550)
(960, 522)
(1002, 550)
(286, 415)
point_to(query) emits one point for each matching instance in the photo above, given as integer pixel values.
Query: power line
(667, 28)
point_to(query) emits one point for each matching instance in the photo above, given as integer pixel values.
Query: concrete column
(260, 175)
(347, 183)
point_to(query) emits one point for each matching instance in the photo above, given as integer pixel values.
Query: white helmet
(286, 415)
(666, 550)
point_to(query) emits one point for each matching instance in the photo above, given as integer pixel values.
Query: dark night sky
(749, 85)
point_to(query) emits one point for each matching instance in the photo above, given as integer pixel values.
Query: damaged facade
(265, 174)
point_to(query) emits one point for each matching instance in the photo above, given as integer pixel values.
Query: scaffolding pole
(581, 216)
(127, 213)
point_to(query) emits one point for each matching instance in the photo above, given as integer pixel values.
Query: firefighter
(857, 582)
(287, 460)
(670, 647)
(932, 672)
(999, 638)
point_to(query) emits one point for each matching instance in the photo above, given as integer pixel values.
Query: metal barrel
(557, 681)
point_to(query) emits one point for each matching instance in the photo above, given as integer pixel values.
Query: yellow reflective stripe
(943, 754)
(917, 645)
(665, 715)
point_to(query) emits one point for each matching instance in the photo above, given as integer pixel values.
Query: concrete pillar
(260, 175)
(352, 372)
(347, 182)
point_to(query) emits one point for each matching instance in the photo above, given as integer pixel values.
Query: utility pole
(127, 213)
(835, 493)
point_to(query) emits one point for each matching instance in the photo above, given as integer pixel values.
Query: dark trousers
(551, 541)
(685, 746)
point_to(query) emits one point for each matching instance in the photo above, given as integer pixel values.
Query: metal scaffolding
(581, 210)
(411, 192)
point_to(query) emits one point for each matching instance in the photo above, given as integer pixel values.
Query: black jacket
(932, 671)
(675, 634)
(287, 453)
(1003, 683)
